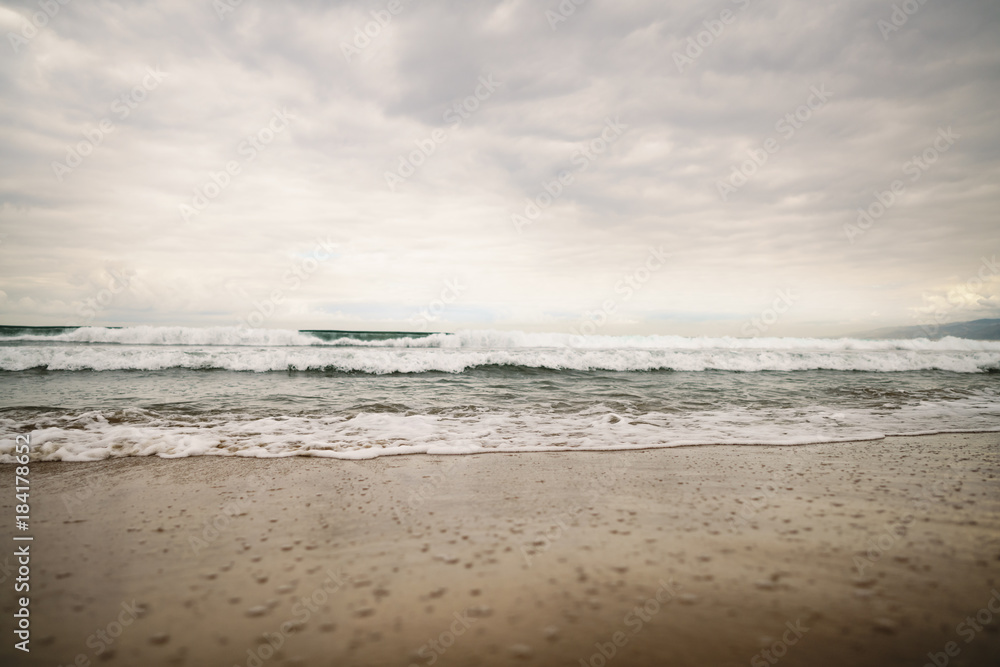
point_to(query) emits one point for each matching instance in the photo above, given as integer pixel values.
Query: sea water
(92, 393)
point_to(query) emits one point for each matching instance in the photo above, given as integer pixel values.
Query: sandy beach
(498, 333)
(864, 553)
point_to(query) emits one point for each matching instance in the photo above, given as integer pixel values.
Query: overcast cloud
(492, 101)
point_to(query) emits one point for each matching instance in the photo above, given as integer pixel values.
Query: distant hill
(976, 329)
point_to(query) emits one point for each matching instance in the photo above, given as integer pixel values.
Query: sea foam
(263, 350)
(486, 339)
(96, 435)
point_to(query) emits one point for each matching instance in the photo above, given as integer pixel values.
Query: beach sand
(865, 553)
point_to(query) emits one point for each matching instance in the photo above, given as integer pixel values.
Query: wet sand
(869, 553)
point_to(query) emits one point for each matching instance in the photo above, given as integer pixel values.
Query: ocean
(91, 393)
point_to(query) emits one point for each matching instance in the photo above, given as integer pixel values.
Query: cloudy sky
(654, 167)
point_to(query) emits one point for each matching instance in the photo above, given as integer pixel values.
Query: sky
(735, 167)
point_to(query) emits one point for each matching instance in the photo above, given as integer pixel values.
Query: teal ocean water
(93, 393)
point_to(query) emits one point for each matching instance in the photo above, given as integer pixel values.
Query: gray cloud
(323, 177)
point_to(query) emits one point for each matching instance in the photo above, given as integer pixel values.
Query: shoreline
(545, 559)
(333, 455)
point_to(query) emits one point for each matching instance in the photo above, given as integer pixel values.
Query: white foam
(93, 436)
(477, 339)
(149, 335)
(381, 360)
(494, 340)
